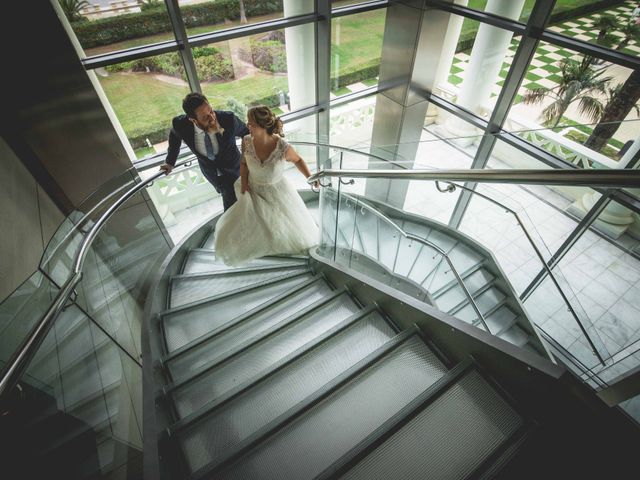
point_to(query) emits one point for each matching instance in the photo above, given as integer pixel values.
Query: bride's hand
(244, 188)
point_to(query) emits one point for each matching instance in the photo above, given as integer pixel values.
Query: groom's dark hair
(191, 102)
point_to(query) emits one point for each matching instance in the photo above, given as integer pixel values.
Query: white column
(488, 53)
(301, 65)
(449, 46)
(448, 51)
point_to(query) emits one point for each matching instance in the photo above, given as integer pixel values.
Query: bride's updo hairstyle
(265, 118)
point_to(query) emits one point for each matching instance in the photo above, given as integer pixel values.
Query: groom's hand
(166, 168)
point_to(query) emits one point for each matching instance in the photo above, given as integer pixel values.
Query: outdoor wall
(28, 219)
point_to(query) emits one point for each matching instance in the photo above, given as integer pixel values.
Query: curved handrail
(539, 255)
(620, 179)
(427, 243)
(574, 177)
(25, 352)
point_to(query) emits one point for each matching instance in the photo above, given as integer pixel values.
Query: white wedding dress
(270, 219)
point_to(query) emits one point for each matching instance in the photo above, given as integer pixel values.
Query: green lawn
(141, 101)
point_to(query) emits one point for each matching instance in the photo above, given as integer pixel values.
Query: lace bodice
(271, 169)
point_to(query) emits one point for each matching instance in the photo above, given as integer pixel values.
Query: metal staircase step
(207, 439)
(190, 288)
(474, 279)
(202, 260)
(450, 437)
(189, 322)
(323, 433)
(515, 335)
(252, 327)
(210, 383)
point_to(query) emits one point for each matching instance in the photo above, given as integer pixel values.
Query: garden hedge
(105, 31)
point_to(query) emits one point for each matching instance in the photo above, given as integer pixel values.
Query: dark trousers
(227, 191)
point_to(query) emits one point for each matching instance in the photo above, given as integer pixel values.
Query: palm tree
(631, 31)
(71, 9)
(604, 23)
(623, 100)
(579, 82)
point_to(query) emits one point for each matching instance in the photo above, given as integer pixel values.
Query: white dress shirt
(199, 141)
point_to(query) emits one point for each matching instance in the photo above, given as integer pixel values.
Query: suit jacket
(228, 158)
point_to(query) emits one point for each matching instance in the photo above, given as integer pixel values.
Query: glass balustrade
(75, 409)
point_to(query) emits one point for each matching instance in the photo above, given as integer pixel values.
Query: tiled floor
(600, 279)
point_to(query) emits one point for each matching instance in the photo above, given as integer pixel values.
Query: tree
(623, 100)
(71, 9)
(631, 31)
(243, 15)
(579, 82)
(604, 23)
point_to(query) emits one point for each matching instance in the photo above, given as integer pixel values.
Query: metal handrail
(539, 255)
(587, 178)
(620, 179)
(23, 355)
(427, 243)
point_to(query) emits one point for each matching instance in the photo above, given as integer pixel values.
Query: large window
(105, 26)
(569, 101)
(356, 48)
(145, 94)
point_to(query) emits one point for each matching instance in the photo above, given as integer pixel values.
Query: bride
(269, 217)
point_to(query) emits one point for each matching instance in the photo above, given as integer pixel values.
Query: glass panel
(20, 312)
(103, 26)
(145, 95)
(356, 48)
(587, 20)
(351, 124)
(474, 61)
(272, 68)
(549, 213)
(209, 16)
(514, 10)
(78, 413)
(62, 249)
(604, 270)
(118, 269)
(591, 126)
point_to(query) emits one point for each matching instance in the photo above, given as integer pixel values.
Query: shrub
(356, 74)
(150, 21)
(214, 67)
(211, 65)
(267, 53)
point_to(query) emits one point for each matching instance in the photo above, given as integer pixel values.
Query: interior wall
(28, 219)
(52, 107)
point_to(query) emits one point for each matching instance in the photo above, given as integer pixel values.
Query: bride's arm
(244, 172)
(292, 156)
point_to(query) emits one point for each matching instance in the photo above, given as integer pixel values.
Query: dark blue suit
(227, 160)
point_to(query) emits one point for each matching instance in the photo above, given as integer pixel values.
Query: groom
(211, 136)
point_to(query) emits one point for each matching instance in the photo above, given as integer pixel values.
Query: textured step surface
(311, 443)
(260, 356)
(449, 439)
(202, 260)
(183, 326)
(252, 327)
(234, 422)
(190, 289)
